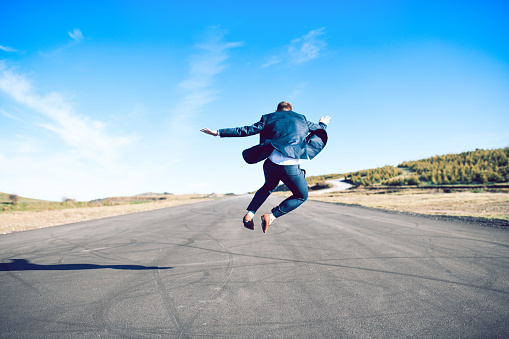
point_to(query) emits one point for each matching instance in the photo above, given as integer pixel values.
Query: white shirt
(280, 159)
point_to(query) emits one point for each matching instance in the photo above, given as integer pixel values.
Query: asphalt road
(194, 271)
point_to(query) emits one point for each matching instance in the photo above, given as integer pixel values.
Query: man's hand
(209, 131)
(325, 120)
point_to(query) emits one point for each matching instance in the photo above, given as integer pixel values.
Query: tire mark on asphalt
(100, 308)
(23, 282)
(417, 276)
(169, 305)
(226, 278)
(98, 252)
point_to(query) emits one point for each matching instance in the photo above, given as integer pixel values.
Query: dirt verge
(27, 220)
(485, 208)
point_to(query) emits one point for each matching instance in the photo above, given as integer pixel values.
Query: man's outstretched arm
(237, 131)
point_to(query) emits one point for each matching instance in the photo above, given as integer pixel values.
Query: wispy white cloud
(307, 47)
(208, 61)
(197, 90)
(300, 50)
(89, 139)
(272, 61)
(198, 87)
(8, 49)
(76, 35)
(10, 116)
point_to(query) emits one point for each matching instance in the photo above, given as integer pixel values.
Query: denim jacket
(287, 131)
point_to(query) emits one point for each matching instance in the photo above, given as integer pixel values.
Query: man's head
(284, 106)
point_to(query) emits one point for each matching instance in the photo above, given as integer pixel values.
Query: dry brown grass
(485, 205)
(27, 220)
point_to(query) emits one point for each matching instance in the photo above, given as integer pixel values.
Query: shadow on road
(25, 265)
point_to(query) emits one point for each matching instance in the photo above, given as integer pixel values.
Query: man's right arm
(322, 124)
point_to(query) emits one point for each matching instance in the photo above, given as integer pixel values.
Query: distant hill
(4, 198)
(475, 167)
(151, 194)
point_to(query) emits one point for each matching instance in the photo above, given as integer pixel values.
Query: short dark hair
(284, 106)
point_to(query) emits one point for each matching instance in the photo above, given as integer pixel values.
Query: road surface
(193, 271)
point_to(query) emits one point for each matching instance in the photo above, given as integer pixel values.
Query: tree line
(475, 167)
(479, 167)
(384, 175)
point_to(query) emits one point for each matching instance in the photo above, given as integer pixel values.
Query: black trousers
(292, 176)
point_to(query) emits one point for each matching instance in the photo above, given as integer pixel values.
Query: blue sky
(106, 98)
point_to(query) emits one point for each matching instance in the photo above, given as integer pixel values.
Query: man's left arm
(322, 124)
(242, 131)
(237, 131)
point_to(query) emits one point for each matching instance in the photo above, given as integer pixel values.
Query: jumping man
(286, 138)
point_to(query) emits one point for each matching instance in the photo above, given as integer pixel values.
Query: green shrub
(14, 199)
(414, 180)
(373, 176)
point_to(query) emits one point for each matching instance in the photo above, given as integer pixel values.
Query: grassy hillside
(4, 198)
(475, 167)
(26, 204)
